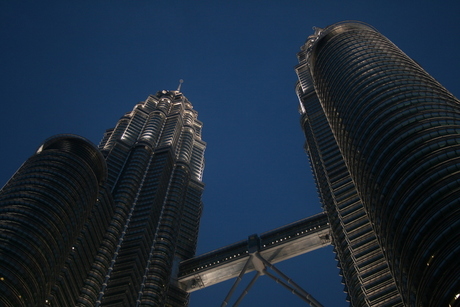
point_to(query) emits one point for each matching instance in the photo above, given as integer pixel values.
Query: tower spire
(180, 84)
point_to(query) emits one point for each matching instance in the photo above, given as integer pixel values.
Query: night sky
(77, 67)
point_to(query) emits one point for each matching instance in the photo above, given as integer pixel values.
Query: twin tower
(82, 225)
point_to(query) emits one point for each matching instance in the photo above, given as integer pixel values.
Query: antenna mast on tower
(180, 84)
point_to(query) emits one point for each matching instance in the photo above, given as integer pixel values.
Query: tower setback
(383, 139)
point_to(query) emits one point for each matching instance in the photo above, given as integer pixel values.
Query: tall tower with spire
(121, 216)
(155, 159)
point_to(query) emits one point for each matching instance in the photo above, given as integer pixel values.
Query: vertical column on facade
(171, 132)
(164, 246)
(153, 128)
(157, 272)
(186, 146)
(176, 143)
(122, 285)
(197, 160)
(135, 127)
(191, 153)
(113, 135)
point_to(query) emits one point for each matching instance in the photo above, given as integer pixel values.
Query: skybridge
(257, 253)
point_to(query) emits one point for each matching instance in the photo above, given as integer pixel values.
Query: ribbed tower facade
(43, 208)
(155, 158)
(383, 138)
(107, 226)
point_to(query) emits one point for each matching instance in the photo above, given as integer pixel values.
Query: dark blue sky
(77, 67)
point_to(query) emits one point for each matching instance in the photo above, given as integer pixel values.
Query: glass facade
(141, 205)
(43, 207)
(392, 135)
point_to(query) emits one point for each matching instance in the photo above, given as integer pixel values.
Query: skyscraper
(88, 226)
(383, 139)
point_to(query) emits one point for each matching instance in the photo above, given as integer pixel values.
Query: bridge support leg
(245, 291)
(295, 289)
(237, 281)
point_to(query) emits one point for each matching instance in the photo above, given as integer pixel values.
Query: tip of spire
(180, 85)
